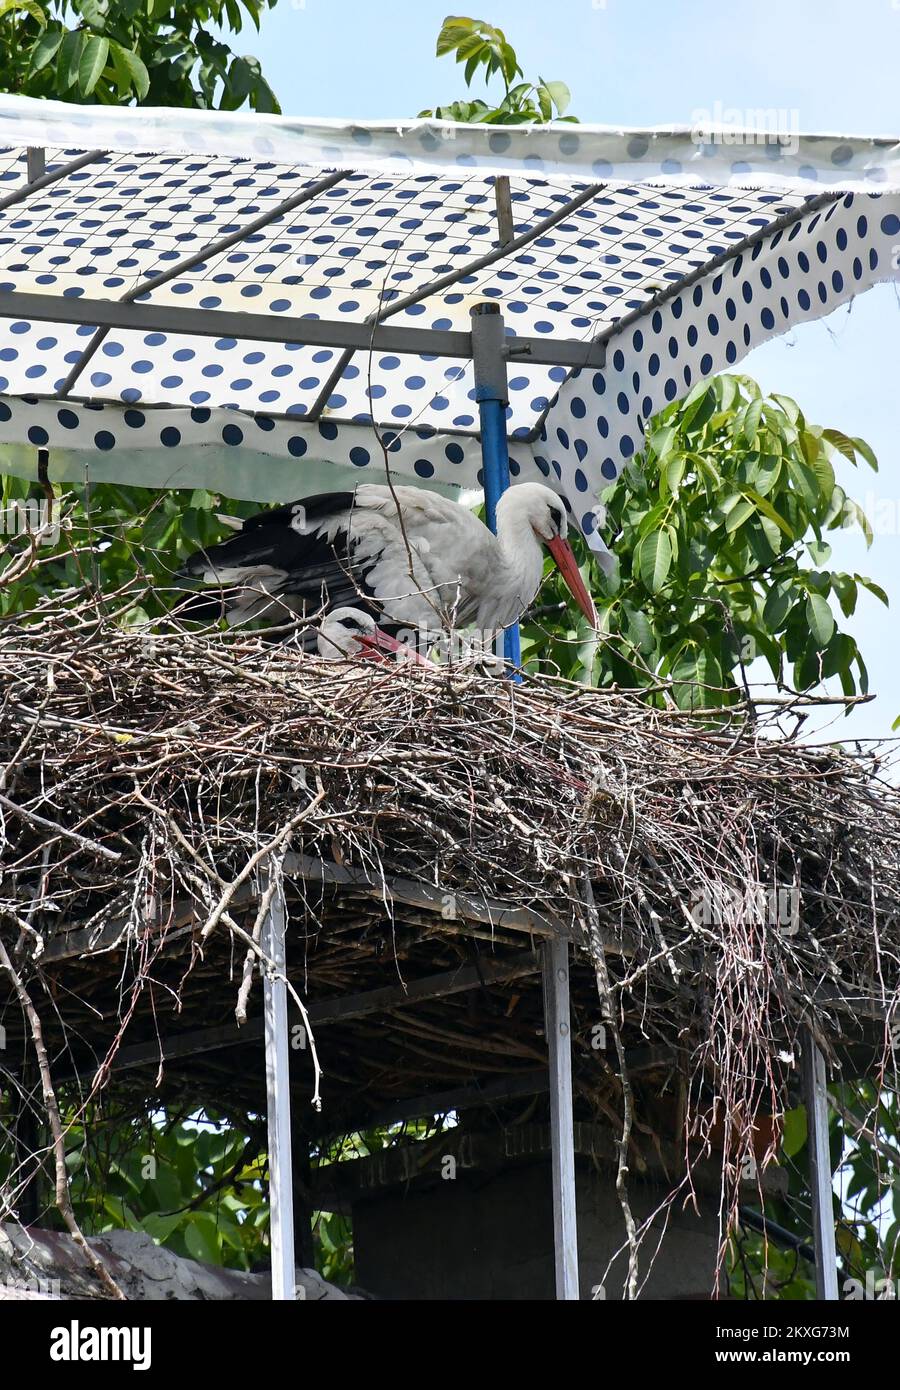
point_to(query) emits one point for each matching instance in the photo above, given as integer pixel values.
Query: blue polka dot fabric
(800, 273)
(414, 205)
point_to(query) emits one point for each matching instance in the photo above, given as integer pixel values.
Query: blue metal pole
(491, 394)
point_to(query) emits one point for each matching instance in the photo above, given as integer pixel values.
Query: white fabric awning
(208, 270)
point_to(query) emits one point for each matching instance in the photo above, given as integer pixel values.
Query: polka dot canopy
(662, 270)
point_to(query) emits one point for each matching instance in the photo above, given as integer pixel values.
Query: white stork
(411, 557)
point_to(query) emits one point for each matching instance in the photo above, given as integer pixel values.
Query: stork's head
(346, 633)
(539, 507)
(535, 506)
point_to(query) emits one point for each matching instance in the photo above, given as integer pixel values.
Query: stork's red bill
(567, 565)
(411, 557)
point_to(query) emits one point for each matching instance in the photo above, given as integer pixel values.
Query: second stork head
(530, 516)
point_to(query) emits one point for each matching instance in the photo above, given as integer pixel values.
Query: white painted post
(278, 1107)
(562, 1137)
(820, 1180)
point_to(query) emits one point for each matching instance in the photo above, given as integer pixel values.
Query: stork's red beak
(374, 648)
(568, 567)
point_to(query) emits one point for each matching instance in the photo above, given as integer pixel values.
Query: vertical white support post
(562, 1137)
(820, 1180)
(278, 1105)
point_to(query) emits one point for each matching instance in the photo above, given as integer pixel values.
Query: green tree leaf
(69, 59)
(654, 557)
(164, 53)
(131, 71)
(30, 7)
(820, 619)
(91, 64)
(558, 93)
(45, 48)
(740, 512)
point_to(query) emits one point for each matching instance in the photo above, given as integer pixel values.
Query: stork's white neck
(519, 572)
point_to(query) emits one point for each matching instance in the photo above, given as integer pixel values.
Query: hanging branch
(62, 1193)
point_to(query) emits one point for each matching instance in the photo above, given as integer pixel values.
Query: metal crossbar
(211, 323)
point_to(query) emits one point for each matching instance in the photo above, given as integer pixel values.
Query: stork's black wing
(273, 567)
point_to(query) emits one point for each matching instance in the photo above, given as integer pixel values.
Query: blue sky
(827, 64)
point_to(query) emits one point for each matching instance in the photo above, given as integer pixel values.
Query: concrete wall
(491, 1237)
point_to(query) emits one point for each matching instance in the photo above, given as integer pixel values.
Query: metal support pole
(35, 163)
(278, 1104)
(492, 395)
(506, 231)
(562, 1137)
(820, 1182)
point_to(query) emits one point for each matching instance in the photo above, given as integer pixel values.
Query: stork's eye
(556, 517)
(350, 623)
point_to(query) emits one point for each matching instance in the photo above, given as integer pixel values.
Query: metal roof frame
(215, 248)
(112, 313)
(372, 334)
(653, 218)
(442, 282)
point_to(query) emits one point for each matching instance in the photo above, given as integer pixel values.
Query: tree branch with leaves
(115, 52)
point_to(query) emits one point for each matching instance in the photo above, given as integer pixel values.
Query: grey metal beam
(449, 905)
(471, 1097)
(35, 162)
(342, 1009)
(453, 277)
(820, 1180)
(498, 253)
(61, 172)
(778, 224)
(756, 1221)
(562, 1133)
(514, 1087)
(212, 323)
(439, 986)
(464, 907)
(503, 199)
(214, 248)
(278, 1103)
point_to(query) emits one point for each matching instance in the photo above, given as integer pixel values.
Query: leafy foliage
(196, 1188)
(114, 52)
(198, 1185)
(485, 50)
(111, 534)
(864, 1156)
(719, 532)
